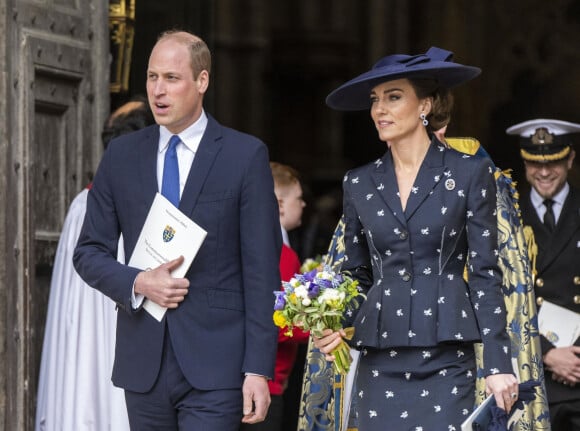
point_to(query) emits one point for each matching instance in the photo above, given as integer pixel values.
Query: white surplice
(75, 392)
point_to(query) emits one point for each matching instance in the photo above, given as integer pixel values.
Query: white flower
(331, 296)
(301, 291)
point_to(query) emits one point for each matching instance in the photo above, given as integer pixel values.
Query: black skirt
(415, 388)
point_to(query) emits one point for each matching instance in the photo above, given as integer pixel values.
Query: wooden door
(56, 99)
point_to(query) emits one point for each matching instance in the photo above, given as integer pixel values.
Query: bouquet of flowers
(315, 301)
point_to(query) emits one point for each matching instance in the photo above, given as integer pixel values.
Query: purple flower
(313, 290)
(280, 300)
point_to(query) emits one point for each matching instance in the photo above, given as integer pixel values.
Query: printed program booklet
(166, 235)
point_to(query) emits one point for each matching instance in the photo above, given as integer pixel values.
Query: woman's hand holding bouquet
(317, 301)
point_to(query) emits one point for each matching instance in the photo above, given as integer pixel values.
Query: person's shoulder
(468, 160)
(231, 135)
(575, 196)
(126, 141)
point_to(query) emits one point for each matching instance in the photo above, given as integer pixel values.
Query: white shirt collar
(191, 137)
(285, 238)
(558, 199)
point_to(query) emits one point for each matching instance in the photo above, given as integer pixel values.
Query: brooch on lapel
(450, 184)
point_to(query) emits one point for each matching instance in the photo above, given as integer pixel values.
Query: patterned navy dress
(419, 321)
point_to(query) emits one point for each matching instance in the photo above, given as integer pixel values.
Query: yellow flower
(279, 319)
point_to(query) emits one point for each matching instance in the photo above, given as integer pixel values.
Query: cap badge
(542, 136)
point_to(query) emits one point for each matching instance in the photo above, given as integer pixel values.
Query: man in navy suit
(205, 365)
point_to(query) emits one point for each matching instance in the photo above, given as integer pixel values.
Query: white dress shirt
(559, 199)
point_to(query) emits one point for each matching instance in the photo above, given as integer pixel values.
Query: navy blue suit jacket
(411, 262)
(224, 327)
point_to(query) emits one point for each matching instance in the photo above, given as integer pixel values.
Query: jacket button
(577, 280)
(576, 299)
(539, 301)
(406, 276)
(403, 235)
(540, 282)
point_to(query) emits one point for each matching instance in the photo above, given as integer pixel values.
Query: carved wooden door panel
(58, 90)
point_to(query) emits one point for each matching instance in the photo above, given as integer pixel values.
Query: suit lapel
(209, 147)
(568, 224)
(429, 175)
(386, 184)
(148, 163)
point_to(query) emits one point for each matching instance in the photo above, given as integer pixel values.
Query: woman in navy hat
(416, 220)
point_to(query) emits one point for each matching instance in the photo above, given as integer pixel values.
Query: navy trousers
(174, 405)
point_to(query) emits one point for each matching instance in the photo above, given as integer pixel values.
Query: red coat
(287, 346)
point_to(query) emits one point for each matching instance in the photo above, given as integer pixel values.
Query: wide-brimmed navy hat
(436, 63)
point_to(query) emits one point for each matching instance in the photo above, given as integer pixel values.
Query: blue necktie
(170, 183)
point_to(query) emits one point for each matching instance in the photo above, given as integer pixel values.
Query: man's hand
(564, 364)
(160, 287)
(256, 399)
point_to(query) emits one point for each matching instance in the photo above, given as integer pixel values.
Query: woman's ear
(426, 105)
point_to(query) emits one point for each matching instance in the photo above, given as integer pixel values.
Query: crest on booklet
(168, 233)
